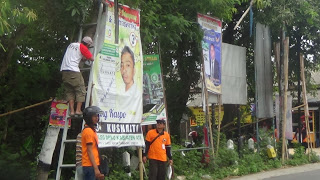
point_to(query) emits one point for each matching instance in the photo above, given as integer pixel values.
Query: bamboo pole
(305, 101)
(24, 108)
(248, 124)
(140, 163)
(219, 122)
(204, 88)
(285, 97)
(210, 123)
(243, 15)
(297, 107)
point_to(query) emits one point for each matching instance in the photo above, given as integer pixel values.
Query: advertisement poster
(211, 50)
(153, 96)
(58, 114)
(199, 117)
(117, 79)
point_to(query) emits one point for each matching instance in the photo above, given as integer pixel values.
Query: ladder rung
(89, 24)
(67, 165)
(70, 140)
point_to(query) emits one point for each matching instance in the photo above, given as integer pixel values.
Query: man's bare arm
(94, 164)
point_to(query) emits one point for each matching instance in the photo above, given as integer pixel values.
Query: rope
(24, 108)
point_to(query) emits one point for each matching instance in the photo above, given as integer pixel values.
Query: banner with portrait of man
(117, 78)
(211, 50)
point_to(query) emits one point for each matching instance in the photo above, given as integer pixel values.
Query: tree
(13, 20)
(33, 42)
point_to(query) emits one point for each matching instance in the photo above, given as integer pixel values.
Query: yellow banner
(198, 118)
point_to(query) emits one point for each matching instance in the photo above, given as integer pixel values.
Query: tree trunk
(46, 153)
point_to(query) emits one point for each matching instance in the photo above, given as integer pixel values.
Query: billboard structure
(211, 51)
(153, 95)
(117, 79)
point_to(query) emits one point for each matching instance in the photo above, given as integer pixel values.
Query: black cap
(161, 121)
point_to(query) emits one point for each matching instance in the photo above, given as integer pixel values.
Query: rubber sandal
(79, 114)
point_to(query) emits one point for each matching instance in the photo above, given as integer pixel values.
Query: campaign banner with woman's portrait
(117, 79)
(211, 50)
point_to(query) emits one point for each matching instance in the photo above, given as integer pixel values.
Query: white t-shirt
(74, 53)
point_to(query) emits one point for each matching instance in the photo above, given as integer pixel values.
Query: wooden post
(140, 163)
(219, 122)
(204, 88)
(239, 130)
(285, 97)
(305, 101)
(209, 122)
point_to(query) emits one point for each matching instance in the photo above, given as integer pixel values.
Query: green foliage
(12, 14)
(79, 9)
(188, 164)
(299, 157)
(18, 162)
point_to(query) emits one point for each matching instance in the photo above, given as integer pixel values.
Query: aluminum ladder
(67, 118)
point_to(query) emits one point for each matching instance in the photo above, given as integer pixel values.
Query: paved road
(312, 175)
(305, 172)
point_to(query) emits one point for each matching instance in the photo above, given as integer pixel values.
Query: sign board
(211, 51)
(58, 114)
(117, 79)
(153, 95)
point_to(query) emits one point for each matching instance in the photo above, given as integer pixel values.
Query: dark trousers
(157, 170)
(88, 173)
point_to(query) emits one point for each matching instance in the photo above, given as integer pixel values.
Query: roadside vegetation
(227, 163)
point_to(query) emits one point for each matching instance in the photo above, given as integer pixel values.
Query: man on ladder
(71, 75)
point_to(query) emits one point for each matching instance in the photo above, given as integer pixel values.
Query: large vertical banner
(211, 50)
(153, 96)
(263, 72)
(117, 79)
